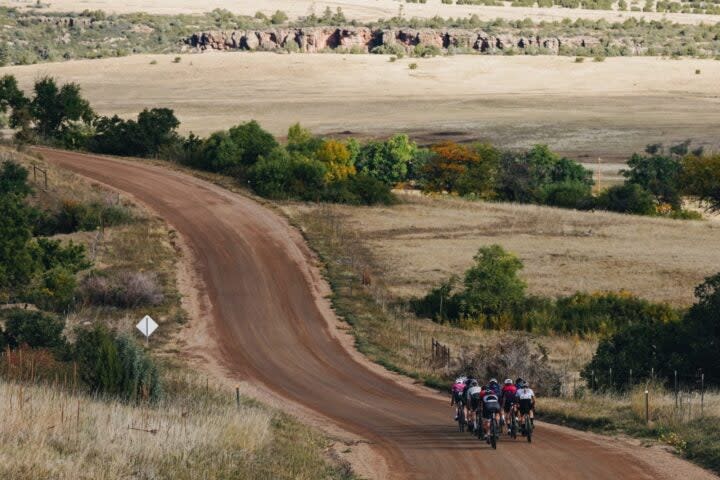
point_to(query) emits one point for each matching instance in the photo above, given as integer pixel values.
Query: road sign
(147, 326)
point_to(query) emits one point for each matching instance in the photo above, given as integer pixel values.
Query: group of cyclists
(474, 403)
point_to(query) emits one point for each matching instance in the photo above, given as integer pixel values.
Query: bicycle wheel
(461, 420)
(514, 427)
(528, 428)
(493, 433)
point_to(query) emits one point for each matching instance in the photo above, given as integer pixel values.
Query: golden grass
(386, 331)
(424, 240)
(48, 433)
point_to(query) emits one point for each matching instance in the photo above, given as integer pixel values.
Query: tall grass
(681, 423)
(199, 433)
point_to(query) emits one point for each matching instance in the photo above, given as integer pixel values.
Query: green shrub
(52, 254)
(567, 194)
(140, 378)
(360, 189)
(33, 328)
(116, 366)
(286, 176)
(54, 289)
(413, 66)
(76, 216)
(440, 304)
(627, 198)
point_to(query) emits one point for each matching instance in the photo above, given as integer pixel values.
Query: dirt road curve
(269, 329)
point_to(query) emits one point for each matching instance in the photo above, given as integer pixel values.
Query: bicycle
(461, 418)
(494, 432)
(514, 424)
(528, 428)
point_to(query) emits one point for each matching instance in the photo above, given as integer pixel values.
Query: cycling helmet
(460, 380)
(493, 380)
(524, 384)
(519, 381)
(474, 383)
(508, 381)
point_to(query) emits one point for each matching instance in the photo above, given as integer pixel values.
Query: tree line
(312, 168)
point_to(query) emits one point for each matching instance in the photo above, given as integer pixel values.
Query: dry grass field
(52, 434)
(587, 110)
(422, 241)
(364, 10)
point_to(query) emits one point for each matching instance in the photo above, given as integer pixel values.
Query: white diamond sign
(147, 326)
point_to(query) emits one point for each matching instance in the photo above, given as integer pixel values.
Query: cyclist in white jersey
(525, 399)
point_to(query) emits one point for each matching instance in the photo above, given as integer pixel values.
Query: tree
(220, 153)
(480, 178)
(567, 194)
(17, 263)
(35, 329)
(13, 179)
(282, 175)
(158, 127)
(627, 198)
(336, 157)
(658, 174)
(301, 140)
(447, 166)
(11, 97)
(492, 285)
(524, 176)
(278, 17)
(253, 140)
(701, 178)
(387, 161)
(53, 108)
(98, 358)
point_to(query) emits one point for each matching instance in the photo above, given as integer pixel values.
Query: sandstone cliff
(364, 39)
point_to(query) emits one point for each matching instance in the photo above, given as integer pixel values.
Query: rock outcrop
(364, 39)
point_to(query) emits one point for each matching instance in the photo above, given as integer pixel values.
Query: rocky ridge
(365, 39)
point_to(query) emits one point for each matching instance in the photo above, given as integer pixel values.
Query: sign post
(147, 326)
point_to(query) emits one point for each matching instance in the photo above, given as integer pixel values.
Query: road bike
(494, 433)
(528, 428)
(461, 418)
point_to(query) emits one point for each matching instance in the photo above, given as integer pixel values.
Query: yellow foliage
(336, 157)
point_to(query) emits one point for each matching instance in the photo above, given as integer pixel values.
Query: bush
(140, 379)
(441, 304)
(627, 198)
(116, 366)
(515, 357)
(359, 189)
(568, 194)
(122, 289)
(75, 216)
(491, 293)
(286, 176)
(54, 289)
(665, 346)
(34, 329)
(388, 161)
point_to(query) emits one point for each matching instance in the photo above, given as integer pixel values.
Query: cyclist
(490, 408)
(457, 399)
(525, 398)
(494, 386)
(472, 403)
(507, 399)
(468, 380)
